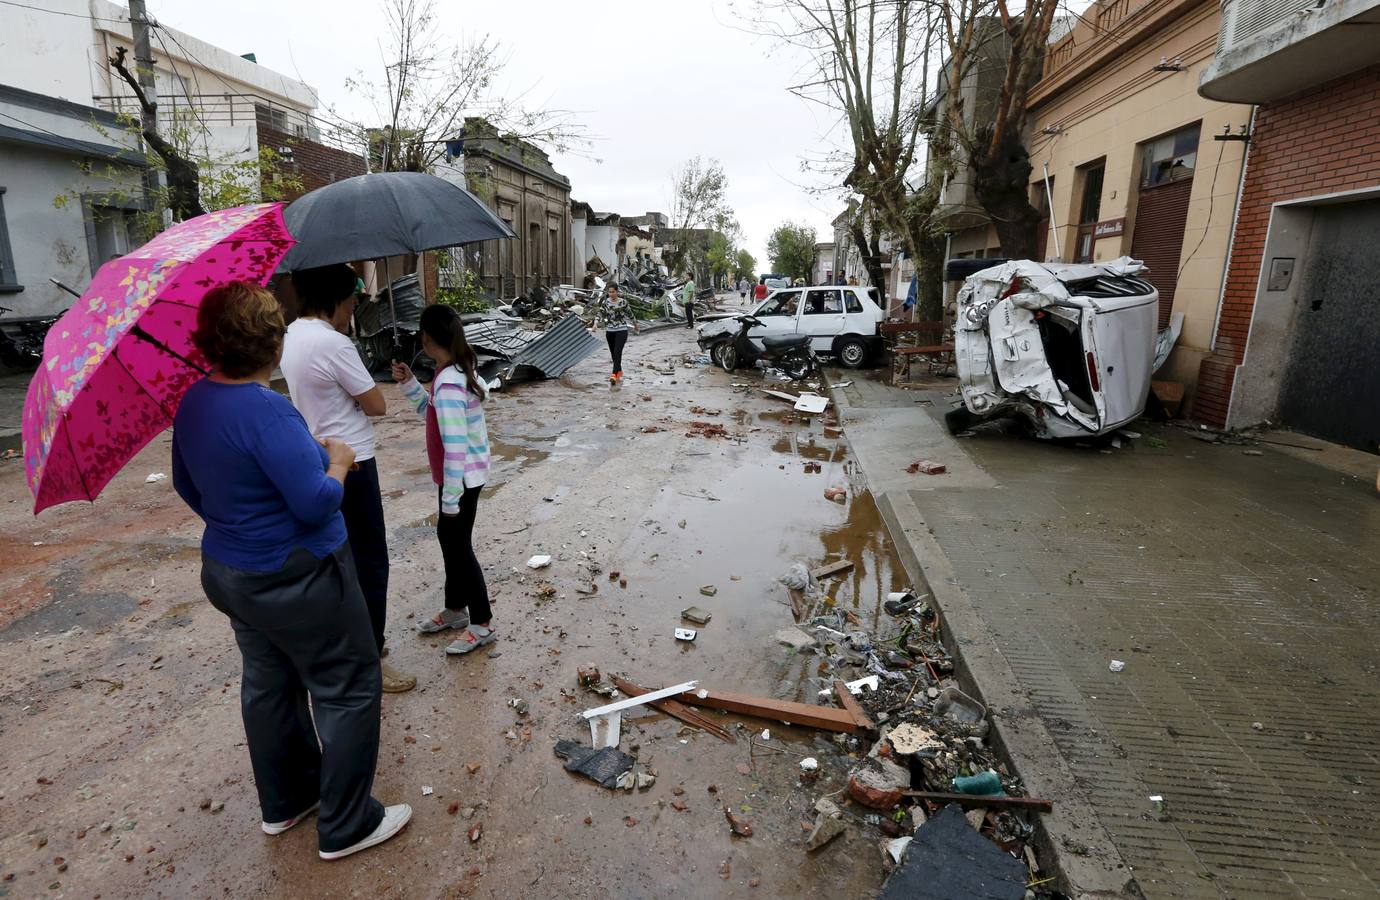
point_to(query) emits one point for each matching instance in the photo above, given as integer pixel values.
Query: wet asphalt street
(124, 767)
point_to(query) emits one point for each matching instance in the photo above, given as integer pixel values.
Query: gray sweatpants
(305, 629)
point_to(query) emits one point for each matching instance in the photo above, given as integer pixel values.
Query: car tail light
(1092, 373)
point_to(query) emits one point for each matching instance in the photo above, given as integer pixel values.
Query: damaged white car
(1069, 348)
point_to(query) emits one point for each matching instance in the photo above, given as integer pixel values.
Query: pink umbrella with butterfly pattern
(116, 365)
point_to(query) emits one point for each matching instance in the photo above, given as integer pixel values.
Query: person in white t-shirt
(335, 393)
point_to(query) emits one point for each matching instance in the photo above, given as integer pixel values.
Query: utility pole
(143, 68)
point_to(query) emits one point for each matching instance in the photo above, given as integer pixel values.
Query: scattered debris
(809, 770)
(947, 858)
(155, 477)
(741, 827)
(539, 562)
(709, 590)
(686, 634)
(878, 783)
(696, 615)
(605, 722)
(603, 766)
(427, 790)
(838, 567)
(812, 403)
(896, 848)
(476, 832)
(982, 784)
(1115, 665)
(827, 827)
(788, 711)
(796, 639)
(926, 467)
(678, 710)
(987, 801)
(910, 737)
(838, 493)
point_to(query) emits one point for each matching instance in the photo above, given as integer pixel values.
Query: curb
(1072, 842)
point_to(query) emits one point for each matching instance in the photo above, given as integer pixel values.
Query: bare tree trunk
(184, 179)
(871, 251)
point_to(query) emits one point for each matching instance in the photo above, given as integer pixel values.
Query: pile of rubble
(906, 762)
(930, 753)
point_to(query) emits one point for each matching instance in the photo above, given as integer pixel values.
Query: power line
(59, 12)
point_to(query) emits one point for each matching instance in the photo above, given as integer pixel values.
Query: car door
(859, 317)
(777, 314)
(821, 317)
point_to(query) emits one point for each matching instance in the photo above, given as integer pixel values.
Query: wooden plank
(850, 703)
(676, 709)
(837, 567)
(991, 802)
(826, 718)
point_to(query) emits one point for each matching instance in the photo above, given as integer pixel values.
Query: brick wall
(1323, 141)
(315, 164)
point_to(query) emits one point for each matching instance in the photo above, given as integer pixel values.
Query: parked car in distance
(841, 321)
(1070, 348)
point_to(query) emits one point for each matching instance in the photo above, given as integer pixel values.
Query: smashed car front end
(1068, 348)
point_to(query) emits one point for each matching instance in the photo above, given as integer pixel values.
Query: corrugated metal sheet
(557, 349)
(498, 337)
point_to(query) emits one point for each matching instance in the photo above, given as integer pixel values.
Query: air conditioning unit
(1245, 20)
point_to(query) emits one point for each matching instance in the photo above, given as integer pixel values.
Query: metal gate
(1331, 384)
(1158, 240)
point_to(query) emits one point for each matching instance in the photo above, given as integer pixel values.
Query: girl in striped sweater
(457, 445)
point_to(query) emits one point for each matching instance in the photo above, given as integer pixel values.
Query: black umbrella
(382, 215)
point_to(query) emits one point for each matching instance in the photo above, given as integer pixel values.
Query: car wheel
(852, 352)
(725, 356)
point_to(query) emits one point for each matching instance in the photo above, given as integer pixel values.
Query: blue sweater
(245, 462)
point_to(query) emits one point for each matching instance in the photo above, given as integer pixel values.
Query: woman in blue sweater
(276, 562)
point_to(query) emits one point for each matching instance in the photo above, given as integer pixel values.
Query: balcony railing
(196, 112)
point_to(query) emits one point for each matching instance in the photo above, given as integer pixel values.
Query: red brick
(1322, 141)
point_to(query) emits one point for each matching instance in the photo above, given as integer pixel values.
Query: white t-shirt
(324, 375)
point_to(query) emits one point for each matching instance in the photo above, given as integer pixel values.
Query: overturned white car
(1070, 348)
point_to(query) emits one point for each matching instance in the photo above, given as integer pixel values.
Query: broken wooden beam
(826, 718)
(837, 567)
(675, 709)
(848, 702)
(991, 801)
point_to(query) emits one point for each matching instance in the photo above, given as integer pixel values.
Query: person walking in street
(688, 298)
(276, 562)
(759, 293)
(617, 318)
(457, 446)
(742, 289)
(336, 395)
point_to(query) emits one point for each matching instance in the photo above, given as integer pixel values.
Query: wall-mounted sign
(1110, 228)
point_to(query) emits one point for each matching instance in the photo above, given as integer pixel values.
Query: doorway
(1331, 384)
(1089, 211)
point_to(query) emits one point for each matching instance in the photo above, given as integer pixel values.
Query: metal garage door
(1332, 381)
(1158, 240)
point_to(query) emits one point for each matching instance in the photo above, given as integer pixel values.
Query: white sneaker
(280, 827)
(394, 818)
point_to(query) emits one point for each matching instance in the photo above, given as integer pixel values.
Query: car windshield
(782, 303)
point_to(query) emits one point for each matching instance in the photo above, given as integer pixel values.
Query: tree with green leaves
(791, 248)
(745, 266)
(699, 208)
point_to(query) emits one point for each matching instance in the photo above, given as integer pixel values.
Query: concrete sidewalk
(1238, 590)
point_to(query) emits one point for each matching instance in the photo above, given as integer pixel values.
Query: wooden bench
(929, 345)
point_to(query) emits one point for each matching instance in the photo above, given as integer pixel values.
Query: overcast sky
(653, 82)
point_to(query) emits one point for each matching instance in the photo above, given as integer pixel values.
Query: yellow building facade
(1133, 158)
